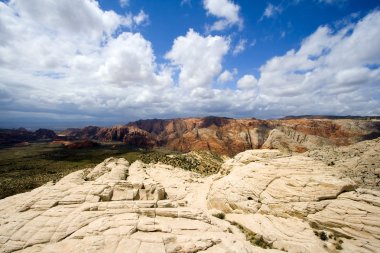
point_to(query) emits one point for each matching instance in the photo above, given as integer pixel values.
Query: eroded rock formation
(231, 136)
(361, 161)
(261, 201)
(288, 199)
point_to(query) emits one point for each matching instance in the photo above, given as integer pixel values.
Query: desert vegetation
(203, 162)
(25, 168)
(253, 238)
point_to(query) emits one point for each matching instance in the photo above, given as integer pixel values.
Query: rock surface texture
(262, 201)
(361, 161)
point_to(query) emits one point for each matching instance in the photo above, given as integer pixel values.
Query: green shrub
(253, 238)
(323, 236)
(219, 215)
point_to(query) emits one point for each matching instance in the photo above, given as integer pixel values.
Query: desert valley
(222, 185)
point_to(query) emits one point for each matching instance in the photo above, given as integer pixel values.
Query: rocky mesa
(261, 201)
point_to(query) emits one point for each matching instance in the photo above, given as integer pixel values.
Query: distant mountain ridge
(12, 136)
(220, 134)
(230, 136)
(332, 117)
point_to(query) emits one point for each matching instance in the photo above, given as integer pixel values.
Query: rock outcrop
(230, 136)
(298, 204)
(360, 161)
(225, 136)
(262, 201)
(117, 207)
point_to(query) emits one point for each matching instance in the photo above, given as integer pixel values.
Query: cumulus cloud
(42, 39)
(141, 18)
(227, 76)
(95, 69)
(199, 58)
(226, 11)
(110, 75)
(54, 64)
(79, 18)
(336, 70)
(129, 61)
(247, 82)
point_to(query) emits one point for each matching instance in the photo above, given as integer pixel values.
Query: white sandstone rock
(285, 203)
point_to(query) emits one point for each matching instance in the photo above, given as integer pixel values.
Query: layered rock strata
(298, 204)
(230, 136)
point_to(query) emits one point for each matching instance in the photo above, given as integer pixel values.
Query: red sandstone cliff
(230, 136)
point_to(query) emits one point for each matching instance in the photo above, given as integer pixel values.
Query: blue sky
(265, 36)
(74, 63)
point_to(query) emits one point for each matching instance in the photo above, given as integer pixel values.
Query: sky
(72, 63)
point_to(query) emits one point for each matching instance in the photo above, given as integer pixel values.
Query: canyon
(230, 136)
(224, 136)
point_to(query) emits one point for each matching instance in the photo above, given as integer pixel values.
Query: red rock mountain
(230, 136)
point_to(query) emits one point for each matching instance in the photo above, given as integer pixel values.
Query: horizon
(72, 64)
(61, 128)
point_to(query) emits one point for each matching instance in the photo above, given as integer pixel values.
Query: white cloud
(98, 71)
(49, 74)
(124, 3)
(128, 60)
(199, 58)
(271, 11)
(67, 18)
(133, 21)
(240, 47)
(227, 76)
(41, 37)
(226, 10)
(247, 82)
(332, 72)
(141, 18)
(50, 65)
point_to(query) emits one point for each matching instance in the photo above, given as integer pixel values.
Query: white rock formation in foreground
(284, 203)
